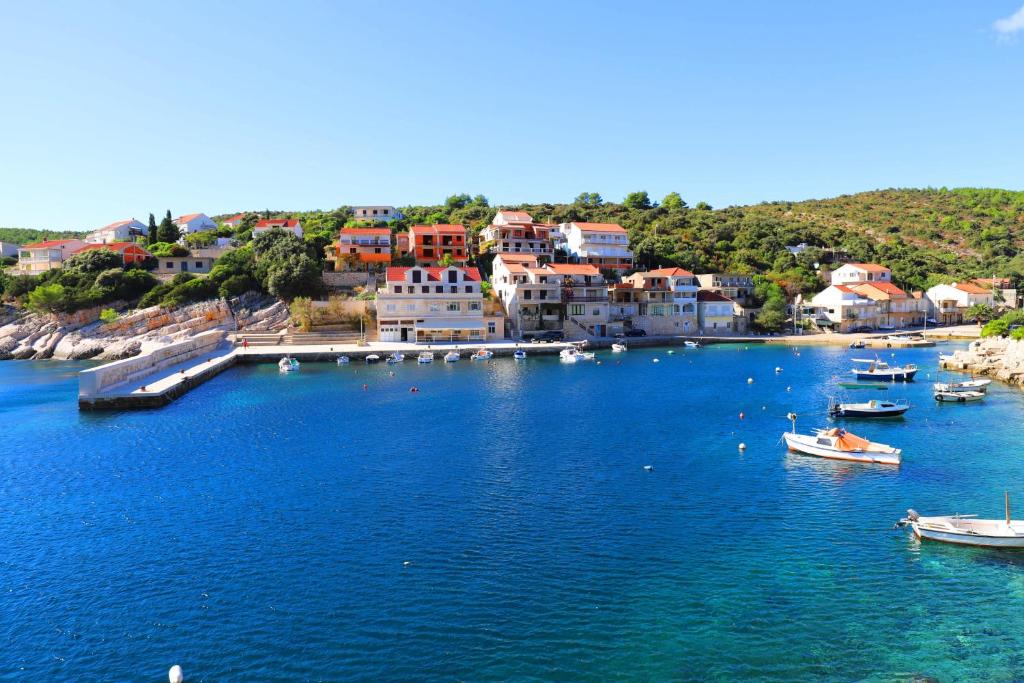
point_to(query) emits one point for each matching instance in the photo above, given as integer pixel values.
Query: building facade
(514, 232)
(662, 301)
(431, 243)
(119, 231)
(530, 295)
(130, 252)
(292, 225)
(361, 249)
(602, 245)
(376, 213)
(431, 304)
(843, 309)
(948, 304)
(194, 222)
(895, 308)
(172, 265)
(860, 272)
(714, 313)
(40, 257)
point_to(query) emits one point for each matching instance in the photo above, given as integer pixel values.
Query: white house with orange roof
(602, 245)
(118, 231)
(376, 213)
(843, 309)
(39, 257)
(948, 304)
(432, 304)
(236, 220)
(896, 308)
(662, 301)
(292, 225)
(584, 293)
(515, 232)
(860, 272)
(194, 222)
(530, 294)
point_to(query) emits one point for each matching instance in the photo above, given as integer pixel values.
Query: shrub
(236, 285)
(47, 298)
(155, 295)
(20, 285)
(93, 261)
(108, 315)
(182, 278)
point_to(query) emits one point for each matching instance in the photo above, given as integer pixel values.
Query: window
(469, 289)
(453, 306)
(439, 289)
(377, 250)
(199, 265)
(576, 309)
(491, 327)
(527, 295)
(435, 308)
(352, 250)
(474, 305)
(398, 289)
(543, 294)
(169, 265)
(597, 311)
(453, 276)
(410, 307)
(390, 308)
(416, 274)
(425, 289)
(453, 289)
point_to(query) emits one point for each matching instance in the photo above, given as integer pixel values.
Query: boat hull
(896, 376)
(958, 396)
(979, 540)
(797, 444)
(875, 414)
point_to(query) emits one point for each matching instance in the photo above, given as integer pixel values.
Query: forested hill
(29, 235)
(925, 236)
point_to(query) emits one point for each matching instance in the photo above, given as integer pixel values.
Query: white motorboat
(839, 444)
(691, 344)
(970, 385)
(859, 344)
(959, 396)
(287, 364)
(574, 355)
(343, 360)
(880, 370)
(425, 357)
(967, 529)
(874, 409)
(482, 354)
(451, 357)
(372, 358)
(619, 347)
(395, 357)
(519, 354)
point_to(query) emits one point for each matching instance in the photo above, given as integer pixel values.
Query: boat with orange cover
(839, 444)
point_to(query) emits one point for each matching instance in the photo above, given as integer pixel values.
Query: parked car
(635, 332)
(862, 328)
(548, 337)
(932, 321)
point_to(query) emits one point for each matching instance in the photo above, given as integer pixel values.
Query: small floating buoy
(365, 387)
(671, 352)
(406, 563)
(655, 360)
(414, 390)
(777, 369)
(741, 414)
(648, 468)
(764, 407)
(175, 675)
(789, 388)
(743, 446)
(598, 362)
(750, 380)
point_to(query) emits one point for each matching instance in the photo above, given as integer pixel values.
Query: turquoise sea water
(260, 527)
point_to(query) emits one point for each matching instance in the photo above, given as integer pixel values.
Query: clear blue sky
(112, 110)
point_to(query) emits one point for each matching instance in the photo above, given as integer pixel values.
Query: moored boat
(343, 360)
(859, 344)
(395, 357)
(425, 357)
(863, 385)
(967, 529)
(868, 409)
(619, 347)
(691, 344)
(372, 358)
(482, 354)
(958, 396)
(574, 355)
(970, 385)
(452, 356)
(878, 369)
(519, 354)
(287, 364)
(839, 444)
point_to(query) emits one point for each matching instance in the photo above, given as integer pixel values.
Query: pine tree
(151, 231)
(168, 231)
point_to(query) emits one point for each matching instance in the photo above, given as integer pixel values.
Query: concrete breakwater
(994, 357)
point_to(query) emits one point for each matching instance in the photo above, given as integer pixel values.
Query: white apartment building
(602, 245)
(194, 222)
(843, 309)
(431, 304)
(39, 257)
(948, 303)
(662, 301)
(119, 231)
(290, 224)
(860, 272)
(376, 213)
(515, 232)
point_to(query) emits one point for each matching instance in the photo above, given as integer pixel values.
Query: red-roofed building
(431, 243)
(604, 245)
(118, 231)
(896, 308)
(948, 304)
(1003, 291)
(362, 249)
(860, 272)
(236, 220)
(715, 313)
(434, 304)
(129, 251)
(662, 301)
(40, 257)
(515, 232)
(843, 309)
(266, 224)
(194, 222)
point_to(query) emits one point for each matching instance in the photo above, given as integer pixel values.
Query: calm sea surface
(500, 525)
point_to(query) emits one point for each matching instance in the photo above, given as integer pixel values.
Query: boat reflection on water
(835, 470)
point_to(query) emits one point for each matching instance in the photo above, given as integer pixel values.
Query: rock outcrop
(82, 335)
(995, 357)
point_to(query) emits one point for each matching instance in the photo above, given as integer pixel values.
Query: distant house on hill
(1003, 291)
(235, 220)
(129, 251)
(949, 303)
(39, 257)
(850, 273)
(376, 213)
(118, 231)
(194, 222)
(8, 249)
(290, 224)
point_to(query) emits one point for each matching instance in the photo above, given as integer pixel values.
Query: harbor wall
(94, 381)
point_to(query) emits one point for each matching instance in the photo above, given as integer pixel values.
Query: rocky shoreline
(81, 335)
(995, 357)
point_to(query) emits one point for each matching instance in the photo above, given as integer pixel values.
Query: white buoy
(750, 380)
(175, 675)
(789, 388)
(743, 446)
(406, 563)
(648, 468)
(656, 360)
(777, 369)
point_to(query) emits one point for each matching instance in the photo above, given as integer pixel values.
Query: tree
(93, 261)
(589, 199)
(168, 231)
(703, 206)
(446, 261)
(480, 200)
(673, 202)
(47, 298)
(980, 313)
(637, 200)
(151, 230)
(457, 201)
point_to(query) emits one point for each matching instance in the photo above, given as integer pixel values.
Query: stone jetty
(994, 357)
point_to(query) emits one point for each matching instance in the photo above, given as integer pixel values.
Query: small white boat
(482, 354)
(395, 357)
(519, 354)
(372, 358)
(868, 409)
(287, 364)
(880, 370)
(425, 357)
(619, 348)
(451, 357)
(691, 344)
(574, 355)
(839, 444)
(343, 360)
(859, 344)
(967, 529)
(959, 396)
(970, 385)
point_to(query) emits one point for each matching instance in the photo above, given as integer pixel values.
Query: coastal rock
(995, 357)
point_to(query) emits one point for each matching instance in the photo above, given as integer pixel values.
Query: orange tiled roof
(112, 246)
(709, 295)
(886, 288)
(397, 273)
(970, 288)
(46, 244)
(438, 228)
(516, 216)
(277, 223)
(365, 231)
(572, 269)
(870, 267)
(187, 217)
(600, 227)
(669, 272)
